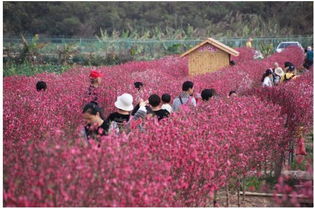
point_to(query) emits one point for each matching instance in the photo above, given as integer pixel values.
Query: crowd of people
(154, 107)
(158, 107)
(275, 76)
(161, 107)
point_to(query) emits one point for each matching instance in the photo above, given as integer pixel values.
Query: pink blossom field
(179, 161)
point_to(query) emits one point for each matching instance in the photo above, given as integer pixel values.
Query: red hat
(94, 74)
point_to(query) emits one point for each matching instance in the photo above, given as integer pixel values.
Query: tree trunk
(227, 196)
(278, 164)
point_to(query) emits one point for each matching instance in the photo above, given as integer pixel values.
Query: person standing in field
(249, 43)
(309, 58)
(186, 96)
(93, 89)
(95, 126)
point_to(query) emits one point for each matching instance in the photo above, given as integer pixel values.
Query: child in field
(41, 85)
(166, 98)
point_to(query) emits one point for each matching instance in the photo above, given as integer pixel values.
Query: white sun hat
(279, 71)
(124, 102)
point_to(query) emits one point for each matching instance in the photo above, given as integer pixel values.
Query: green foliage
(100, 60)
(140, 19)
(136, 50)
(266, 49)
(270, 180)
(66, 53)
(253, 182)
(29, 69)
(175, 49)
(30, 50)
(115, 59)
(260, 182)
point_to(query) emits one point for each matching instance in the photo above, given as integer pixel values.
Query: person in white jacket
(166, 98)
(267, 79)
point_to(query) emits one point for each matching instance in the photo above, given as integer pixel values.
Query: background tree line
(197, 19)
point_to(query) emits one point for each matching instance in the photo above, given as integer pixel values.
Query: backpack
(185, 106)
(276, 79)
(119, 128)
(126, 127)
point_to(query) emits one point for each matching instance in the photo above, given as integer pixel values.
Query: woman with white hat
(124, 105)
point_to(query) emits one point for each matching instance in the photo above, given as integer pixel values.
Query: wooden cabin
(209, 56)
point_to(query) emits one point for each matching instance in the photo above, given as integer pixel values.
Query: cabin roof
(215, 43)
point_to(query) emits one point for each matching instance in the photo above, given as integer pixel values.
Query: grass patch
(30, 70)
(260, 184)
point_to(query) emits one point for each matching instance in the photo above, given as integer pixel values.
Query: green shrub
(29, 70)
(80, 59)
(175, 49)
(115, 59)
(49, 60)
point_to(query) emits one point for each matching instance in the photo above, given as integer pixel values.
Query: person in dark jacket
(93, 89)
(95, 126)
(41, 86)
(155, 102)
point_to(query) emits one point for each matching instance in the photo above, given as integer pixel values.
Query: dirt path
(249, 201)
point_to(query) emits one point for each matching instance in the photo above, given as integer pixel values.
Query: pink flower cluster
(179, 161)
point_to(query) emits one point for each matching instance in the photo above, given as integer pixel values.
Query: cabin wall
(201, 62)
